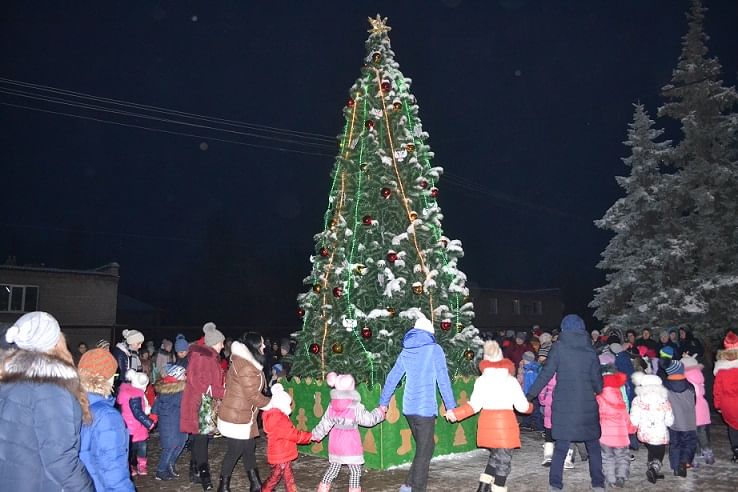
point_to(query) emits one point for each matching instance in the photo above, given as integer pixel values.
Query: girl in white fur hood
(651, 414)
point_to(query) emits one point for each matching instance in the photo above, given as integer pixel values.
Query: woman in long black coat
(575, 416)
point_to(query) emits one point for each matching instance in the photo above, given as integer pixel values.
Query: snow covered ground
(461, 472)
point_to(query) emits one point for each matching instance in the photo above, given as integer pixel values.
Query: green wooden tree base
(389, 443)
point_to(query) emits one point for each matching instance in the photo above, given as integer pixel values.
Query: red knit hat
(98, 362)
(731, 341)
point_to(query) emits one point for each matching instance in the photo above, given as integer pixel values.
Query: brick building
(497, 309)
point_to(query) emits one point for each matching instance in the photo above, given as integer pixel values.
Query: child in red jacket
(282, 440)
(725, 389)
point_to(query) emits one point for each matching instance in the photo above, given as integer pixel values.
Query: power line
(161, 130)
(158, 109)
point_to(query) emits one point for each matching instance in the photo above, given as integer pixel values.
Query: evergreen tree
(382, 260)
(701, 288)
(633, 254)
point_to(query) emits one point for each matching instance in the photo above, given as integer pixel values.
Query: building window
(18, 298)
(516, 306)
(538, 308)
(493, 305)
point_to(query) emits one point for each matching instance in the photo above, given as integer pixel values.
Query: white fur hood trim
(239, 350)
(724, 365)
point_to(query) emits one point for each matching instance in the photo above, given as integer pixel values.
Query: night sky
(527, 101)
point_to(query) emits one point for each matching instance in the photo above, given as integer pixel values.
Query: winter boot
(485, 482)
(497, 488)
(173, 470)
(324, 487)
(548, 451)
(225, 484)
(708, 456)
(142, 466)
(653, 471)
(194, 473)
(681, 470)
(165, 476)
(254, 480)
(569, 461)
(207, 483)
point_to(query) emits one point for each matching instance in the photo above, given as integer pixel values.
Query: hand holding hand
(451, 416)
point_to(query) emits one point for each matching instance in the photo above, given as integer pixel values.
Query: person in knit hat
(103, 442)
(204, 376)
(496, 395)
(341, 423)
(181, 347)
(683, 432)
(693, 373)
(126, 353)
(164, 357)
(423, 363)
(616, 427)
(651, 415)
(282, 440)
(167, 406)
(515, 350)
(725, 388)
(575, 415)
(43, 407)
(528, 370)
(137, 416)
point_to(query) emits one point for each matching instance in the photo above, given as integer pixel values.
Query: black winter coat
(576, 415)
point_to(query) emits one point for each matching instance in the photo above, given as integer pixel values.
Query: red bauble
(386, 86)
(366, 220)
(324, 252)
(300, 312)
(386, 192)
(445, 325)
(392, 257)
(423, 184)
(366, 333)
(434, 192)
(315, 348)
(337, 291)
(350, 103)
(369, 124)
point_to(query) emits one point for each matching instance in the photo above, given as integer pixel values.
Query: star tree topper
(379, 25)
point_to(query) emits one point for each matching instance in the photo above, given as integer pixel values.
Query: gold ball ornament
(418, 288)
(337, 348)
(392, 312)
(317, 288)
(410, 148)
(397, 105)
(360, 269)
(459, 327)
(468, 354)
(413, 215)
(376, 57)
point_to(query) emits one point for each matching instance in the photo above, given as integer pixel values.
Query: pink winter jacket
(342, 420)
(545, 398)
(614, 419)
(702, 409)
(125, 393)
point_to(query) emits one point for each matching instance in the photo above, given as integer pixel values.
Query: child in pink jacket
(693, 372)
(342, 420)
(616, 427)
(135, 410)
(545, 398)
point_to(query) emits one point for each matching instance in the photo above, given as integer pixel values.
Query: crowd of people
(83, 423)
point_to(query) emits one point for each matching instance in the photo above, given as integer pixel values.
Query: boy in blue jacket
(167, 406)
(423, 362)
(104, 442)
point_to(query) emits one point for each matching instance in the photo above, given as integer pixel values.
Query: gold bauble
(459, 327)
(337, 348)
(360, 269)
(413, 215)
(410, 148)
(468, 355)
(317, 288)
(392, 312)
(417, 288)
(397, 105)
(376, 57)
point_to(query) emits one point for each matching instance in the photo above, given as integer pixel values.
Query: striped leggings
(335, 468)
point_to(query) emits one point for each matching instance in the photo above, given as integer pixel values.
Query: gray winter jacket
(682, 399)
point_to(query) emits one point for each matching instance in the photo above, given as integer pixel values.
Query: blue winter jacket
(168, 406)
(530, 374)
(423, 362)
(40, 420)
(104, 448)
(624, 364)
(575, 413)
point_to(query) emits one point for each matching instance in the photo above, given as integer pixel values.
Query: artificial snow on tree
(636, 220)
(381, 260)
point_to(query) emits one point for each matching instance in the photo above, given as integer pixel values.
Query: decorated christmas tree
(382, 260)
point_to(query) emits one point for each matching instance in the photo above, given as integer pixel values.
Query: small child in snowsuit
(496, 393)
(545, 398)
(616, 426)
(651, 415)
(342, 420)
(725, 389)
(528, 370)
(693, 372)
(282, 440)
(167, 406)
(683, 432)
(137, 415)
